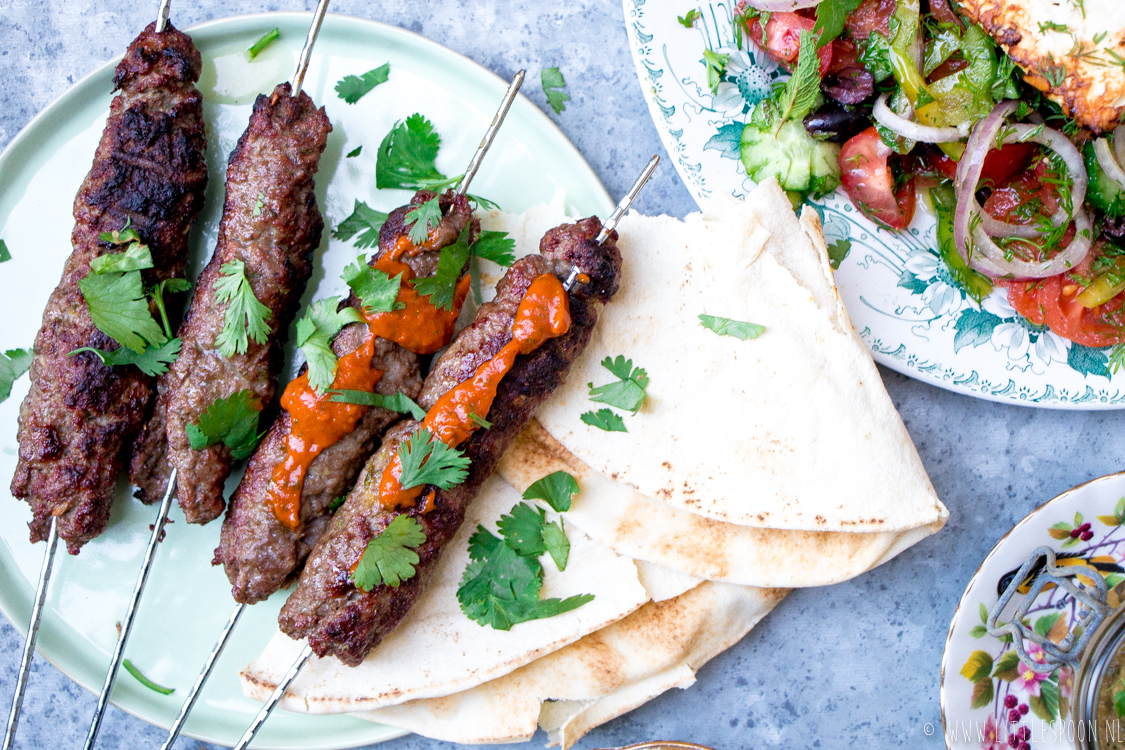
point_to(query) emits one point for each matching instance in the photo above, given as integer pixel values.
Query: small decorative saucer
(989, 700)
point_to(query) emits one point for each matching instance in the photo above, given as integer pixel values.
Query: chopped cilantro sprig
(315, 330)
(428, 461)
(245, 319)
(352, 88)
(232, 421)
(390, 557)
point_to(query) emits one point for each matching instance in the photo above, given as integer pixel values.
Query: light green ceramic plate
(187, 600)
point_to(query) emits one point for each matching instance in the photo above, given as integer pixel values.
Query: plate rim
(879, 357)
(1107, 478)
(17, 143)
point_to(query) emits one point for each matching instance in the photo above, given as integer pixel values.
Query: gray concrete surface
(852, 665)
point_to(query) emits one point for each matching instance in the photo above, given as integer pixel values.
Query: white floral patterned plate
(987, 697)
(912, 316)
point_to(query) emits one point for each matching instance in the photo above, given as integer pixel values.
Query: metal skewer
(490, 134)
(287, 681)
(32, 633)
(162, 15)
(131, 614)
(306, 52)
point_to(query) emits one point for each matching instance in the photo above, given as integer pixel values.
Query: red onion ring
(899, 125)
(969, 171)
(782, 6)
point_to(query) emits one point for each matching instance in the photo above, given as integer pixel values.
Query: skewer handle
(627, 201)
(130, 616)
(197, 688)
(162, 16)
(278, 694)
(306, 52)
(32, 633)
(490, 134)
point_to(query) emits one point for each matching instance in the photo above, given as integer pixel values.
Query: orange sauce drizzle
(543, 313)
(318, 422)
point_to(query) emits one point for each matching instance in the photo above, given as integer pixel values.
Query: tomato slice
(871, 15)
(782, 39)
(866, 173)
(1053, 302)
(1000, 165)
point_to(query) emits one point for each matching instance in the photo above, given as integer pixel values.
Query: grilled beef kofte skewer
(519, 348)
(271, 227)
(316, 447)
(149, 174)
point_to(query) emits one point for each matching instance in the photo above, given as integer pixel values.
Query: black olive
(1114, 228)
(837, 123)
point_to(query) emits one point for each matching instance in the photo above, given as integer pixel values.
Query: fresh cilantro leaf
(716, 65)
(480, 421)
(727, 327)
(119, 308)
(354, 152)
(500, 588)
(390, 557)
(232, 421)
(629, 392)
(688, 20)
(553, 84)
(799, 95)
(266, 40)
(407, 154)
(399, 402)
(554, 539)
(604, 419)
(5, 255)
(171, 286)
(13, 364)
(837, 251)
(481, 202)
(523, 530)
(376, 290)
(555, 489)
(135, 258)
(154, 360)
(428, 461)
(497, 247)
(121, 236)
(258, 204)
(365, 221)
(353, 88)
(830, 18)
(422, 218)
(245, 316)
(441, 286)
(315, 330)
(337, 503)
(144, 680)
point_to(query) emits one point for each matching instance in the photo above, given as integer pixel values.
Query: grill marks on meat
(270, 222)
(149, 168)
(341, 620)
(259, 553)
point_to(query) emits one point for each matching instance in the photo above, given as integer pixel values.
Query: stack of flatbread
(753, 467)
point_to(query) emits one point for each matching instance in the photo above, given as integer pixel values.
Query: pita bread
(458, 653)
(792, 430)
(616, 515)
(602, 676)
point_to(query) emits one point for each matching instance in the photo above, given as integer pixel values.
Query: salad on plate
(1003, 118)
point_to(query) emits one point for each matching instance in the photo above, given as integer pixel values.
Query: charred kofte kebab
(479, 394)
(92, 374)
(334, 413)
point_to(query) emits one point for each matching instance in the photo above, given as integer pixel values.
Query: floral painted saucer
(908, 309)
(989, 698)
